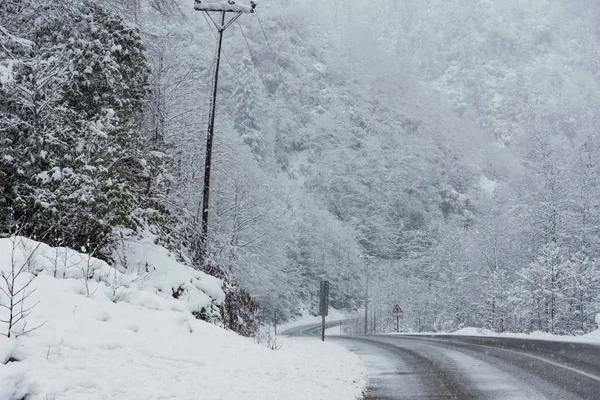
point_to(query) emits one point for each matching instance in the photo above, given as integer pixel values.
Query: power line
(270, 48)
(252, 55)
(237, 78)
(211, 71)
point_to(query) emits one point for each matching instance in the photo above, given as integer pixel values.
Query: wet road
(460, 367)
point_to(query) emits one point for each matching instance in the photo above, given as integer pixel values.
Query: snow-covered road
(460, 367)
(408, 367)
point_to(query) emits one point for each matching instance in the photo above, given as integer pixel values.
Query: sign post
(397, 311)
(323, 305)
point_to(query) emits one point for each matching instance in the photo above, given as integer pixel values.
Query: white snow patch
(220, 5)
(593, 336)
(471, 331)
(6, 73)
(487, 185)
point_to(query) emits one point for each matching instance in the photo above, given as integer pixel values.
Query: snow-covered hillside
(125, 335)
(455, 143)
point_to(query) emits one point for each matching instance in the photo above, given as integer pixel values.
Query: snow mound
(116, 336)
(594, 336)
(200, 292)
(145, 271)
(470, 331)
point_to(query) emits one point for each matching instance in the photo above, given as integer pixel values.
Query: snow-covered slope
(124, 335)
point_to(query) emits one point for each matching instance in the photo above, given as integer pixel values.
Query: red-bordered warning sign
(397, 310)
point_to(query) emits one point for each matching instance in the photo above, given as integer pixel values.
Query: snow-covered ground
(124, 336)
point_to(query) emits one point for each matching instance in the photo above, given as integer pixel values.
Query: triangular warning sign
(397, 310)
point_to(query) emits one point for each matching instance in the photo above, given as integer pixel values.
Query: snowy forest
(450, 149)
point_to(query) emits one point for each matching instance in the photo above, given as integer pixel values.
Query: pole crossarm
(224, 6)
(231, 21)
(220, 27)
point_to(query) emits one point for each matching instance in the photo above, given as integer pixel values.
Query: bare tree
(15, 290)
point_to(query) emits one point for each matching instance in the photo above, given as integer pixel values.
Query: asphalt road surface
(463, 367)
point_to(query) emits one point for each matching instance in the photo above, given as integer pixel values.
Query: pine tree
(78, 164)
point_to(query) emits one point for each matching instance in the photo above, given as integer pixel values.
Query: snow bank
(590, 337)
(145, 271)
(593, 336)
(472, 331)
(144, 344)
(167, 276)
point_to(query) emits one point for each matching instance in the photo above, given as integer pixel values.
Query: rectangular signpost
(323, 305)
(397, 311)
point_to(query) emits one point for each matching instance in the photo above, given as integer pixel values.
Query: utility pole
(323, 305)
(367, 259)
(374, 330)
(222, 7)
(367, 298)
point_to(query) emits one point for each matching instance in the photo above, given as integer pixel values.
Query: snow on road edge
(592, 337)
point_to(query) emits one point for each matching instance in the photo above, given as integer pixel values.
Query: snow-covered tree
(542, 292)
(247, 97)
(77, 158)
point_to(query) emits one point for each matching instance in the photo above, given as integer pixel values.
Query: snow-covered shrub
(266, 338)
(239, 310)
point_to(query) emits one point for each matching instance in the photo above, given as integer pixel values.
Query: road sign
(324, 298)
(397, 310)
